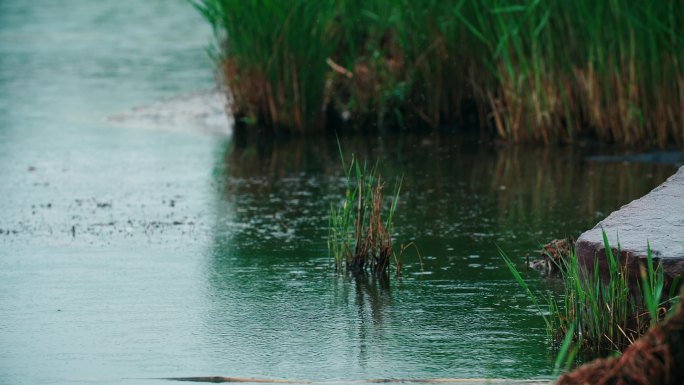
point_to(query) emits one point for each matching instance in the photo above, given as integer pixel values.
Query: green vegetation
(545, 71)
(359, 238)
(602, 313)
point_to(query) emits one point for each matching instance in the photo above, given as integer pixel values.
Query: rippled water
(128, 253)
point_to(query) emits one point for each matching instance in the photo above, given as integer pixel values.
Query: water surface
(128, 253)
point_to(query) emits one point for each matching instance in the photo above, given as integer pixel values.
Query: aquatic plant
(655, 359)
(542, 70)
(601, 313)
(360, 233)
(565, 356)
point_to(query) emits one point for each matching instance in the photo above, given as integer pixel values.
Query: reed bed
(602, 314)
(540, 71)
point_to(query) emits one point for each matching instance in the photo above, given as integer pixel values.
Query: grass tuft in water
(601, 314)
(360, 228)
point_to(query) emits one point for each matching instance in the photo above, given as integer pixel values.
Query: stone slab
(656, 218)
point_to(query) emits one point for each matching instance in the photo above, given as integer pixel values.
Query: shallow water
(130, 253)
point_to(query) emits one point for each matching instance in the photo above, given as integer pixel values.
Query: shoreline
(204, 112)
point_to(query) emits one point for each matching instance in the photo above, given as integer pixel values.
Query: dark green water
(128, 253)
(462, 315)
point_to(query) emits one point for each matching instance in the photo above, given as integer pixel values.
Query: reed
(360, 231)
(545, 71)
(601, 313)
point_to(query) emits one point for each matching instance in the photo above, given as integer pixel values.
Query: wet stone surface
(656, 219)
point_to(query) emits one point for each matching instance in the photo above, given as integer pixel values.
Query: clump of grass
(360, 230)
(545, 71)
(602, 314)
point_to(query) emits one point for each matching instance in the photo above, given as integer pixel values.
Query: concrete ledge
(657, 217)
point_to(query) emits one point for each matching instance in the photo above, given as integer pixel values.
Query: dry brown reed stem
(655, 359)
(378, 239)
(374, 243)
(339, 69)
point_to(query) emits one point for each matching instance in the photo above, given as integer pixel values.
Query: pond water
(129, 253)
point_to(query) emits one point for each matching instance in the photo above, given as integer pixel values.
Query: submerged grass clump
(360, 228)
(359, 237)
(546, 71)
(602, 314)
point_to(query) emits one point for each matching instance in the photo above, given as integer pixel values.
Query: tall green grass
(543, 70)
(601, 313)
